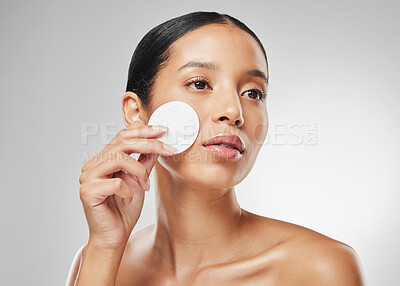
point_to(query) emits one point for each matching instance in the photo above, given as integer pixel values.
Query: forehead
(227, 45)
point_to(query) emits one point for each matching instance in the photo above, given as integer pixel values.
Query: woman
(201, 236)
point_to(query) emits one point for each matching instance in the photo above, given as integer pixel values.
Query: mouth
(226, 145)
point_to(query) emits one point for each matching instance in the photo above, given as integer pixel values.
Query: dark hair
(153, 50)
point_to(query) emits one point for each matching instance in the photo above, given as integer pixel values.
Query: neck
(194, 226)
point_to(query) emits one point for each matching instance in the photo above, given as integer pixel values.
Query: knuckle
(122, 135)
(81, 178)
(83, 192)
(117, 183)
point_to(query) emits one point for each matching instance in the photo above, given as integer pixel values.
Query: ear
(131, 108)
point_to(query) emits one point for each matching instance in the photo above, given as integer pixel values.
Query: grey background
(334, 70)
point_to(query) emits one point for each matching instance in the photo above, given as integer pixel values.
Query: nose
(227, 108)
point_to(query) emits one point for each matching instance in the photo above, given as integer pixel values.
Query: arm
(75, 266)
(95, 266)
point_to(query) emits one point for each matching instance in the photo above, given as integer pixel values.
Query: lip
(236, 144)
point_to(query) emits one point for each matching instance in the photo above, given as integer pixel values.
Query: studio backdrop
(330, 161)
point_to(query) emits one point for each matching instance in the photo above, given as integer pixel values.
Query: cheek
(170, 92)
(257, 127)
(163, 92)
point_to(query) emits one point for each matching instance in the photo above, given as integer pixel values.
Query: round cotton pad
(182, 123)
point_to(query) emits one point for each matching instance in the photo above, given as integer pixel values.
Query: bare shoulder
(275, 252)
(323, 261)
(305, 257)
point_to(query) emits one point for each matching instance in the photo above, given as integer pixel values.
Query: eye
(199, 82)
(257, 94)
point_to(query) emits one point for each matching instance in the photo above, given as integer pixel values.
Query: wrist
(99, 264)
(98, 245)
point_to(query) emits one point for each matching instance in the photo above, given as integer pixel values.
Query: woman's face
(226, 99)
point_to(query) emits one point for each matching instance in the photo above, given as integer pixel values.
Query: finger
(132, 183)
(95, 193)
(136, 202)
(145, 146)
(148, 160)
(119, 161)
(139, 131)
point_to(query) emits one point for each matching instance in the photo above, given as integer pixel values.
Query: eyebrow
(213, 66)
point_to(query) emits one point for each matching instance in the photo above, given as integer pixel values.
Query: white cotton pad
(182, 123)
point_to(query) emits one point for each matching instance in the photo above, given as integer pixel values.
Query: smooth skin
(201, 235)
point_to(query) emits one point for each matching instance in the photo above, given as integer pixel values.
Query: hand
(113, 184)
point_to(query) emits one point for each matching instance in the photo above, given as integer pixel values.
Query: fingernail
(170, 148)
